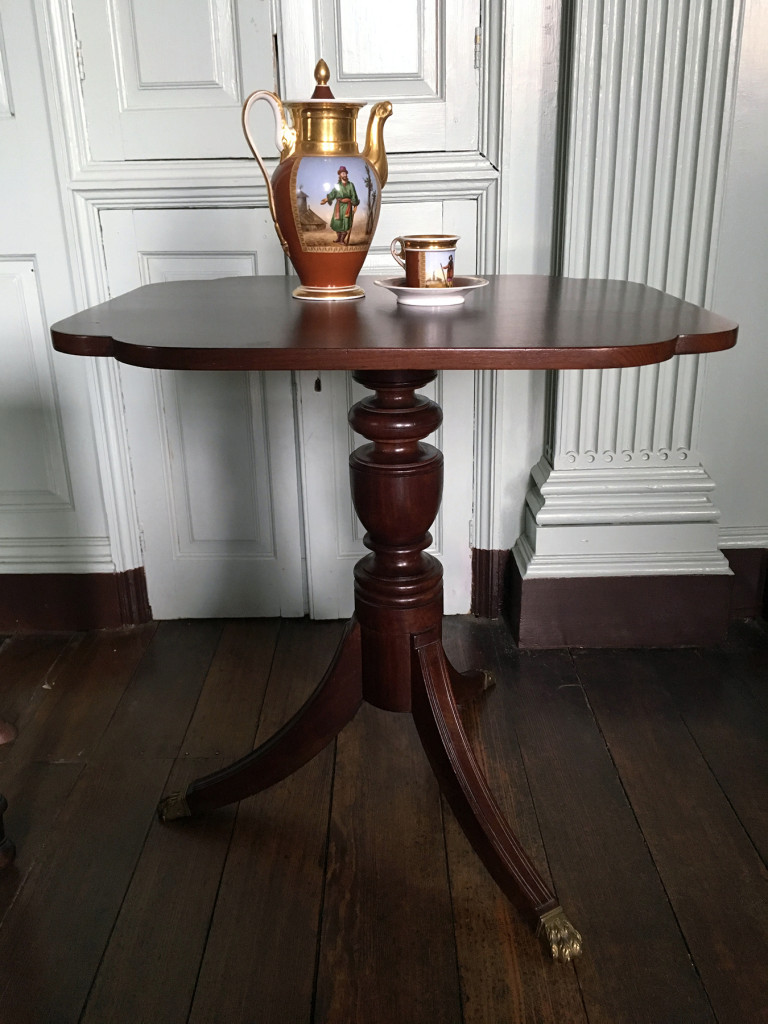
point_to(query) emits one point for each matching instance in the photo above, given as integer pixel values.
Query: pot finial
(322, 77)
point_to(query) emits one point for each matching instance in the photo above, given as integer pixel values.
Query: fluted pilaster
(621, 488)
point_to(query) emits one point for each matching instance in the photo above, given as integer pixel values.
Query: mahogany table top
(517, 322)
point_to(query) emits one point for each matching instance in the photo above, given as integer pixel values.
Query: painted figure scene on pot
(335, 202)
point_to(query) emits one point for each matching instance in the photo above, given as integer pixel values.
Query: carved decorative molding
(55, 554)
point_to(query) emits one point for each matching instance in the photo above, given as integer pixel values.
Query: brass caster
(173, 806)
(559, 936)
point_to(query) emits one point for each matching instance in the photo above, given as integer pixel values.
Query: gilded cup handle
(398, 242)
(285, 139)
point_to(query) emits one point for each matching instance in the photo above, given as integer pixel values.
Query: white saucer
(462, 286)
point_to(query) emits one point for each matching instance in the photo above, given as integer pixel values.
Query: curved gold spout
(374, 140)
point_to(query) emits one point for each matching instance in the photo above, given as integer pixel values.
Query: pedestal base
(436, 688)
(392, 656)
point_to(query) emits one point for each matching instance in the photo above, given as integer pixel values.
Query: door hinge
(79, 59)
(478, 47)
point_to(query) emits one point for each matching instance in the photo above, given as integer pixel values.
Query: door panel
(214, 454)
(163, 81)
(35, 471)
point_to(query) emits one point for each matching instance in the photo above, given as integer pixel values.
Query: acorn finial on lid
(322, 77)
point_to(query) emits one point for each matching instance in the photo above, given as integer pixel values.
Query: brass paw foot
(173, 806)
(559, 935)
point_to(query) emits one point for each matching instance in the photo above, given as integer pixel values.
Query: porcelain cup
(428, 260)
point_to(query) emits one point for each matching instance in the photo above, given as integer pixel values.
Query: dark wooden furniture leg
(326, 712)
(442, 734)
(392, 654)
(7, 849)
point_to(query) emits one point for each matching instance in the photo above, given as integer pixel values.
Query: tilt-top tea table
(391, 654)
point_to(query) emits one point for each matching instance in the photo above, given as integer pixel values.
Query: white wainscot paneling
(32, 453)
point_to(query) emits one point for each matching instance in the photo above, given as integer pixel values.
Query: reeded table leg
(443, 737)
(331, 706)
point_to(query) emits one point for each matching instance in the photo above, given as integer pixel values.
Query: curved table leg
(326, 712)
(466, 789)
(7, 849)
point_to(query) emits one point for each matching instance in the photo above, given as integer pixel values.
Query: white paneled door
(213, 454)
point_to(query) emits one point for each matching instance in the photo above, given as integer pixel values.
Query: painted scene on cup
(435, 268)
(334, 203)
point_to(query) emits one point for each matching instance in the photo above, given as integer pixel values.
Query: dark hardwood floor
(638, 781)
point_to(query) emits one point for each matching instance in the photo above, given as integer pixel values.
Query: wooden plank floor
(637, 780)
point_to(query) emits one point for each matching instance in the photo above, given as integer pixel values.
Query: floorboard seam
(321, 908)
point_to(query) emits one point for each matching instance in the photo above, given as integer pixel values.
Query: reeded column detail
(649, 113)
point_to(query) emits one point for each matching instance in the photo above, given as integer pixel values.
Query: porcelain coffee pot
(325, 194)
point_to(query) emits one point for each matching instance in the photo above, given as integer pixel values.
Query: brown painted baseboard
(622, 611)
(78, 601)
(489, 570)
(750, 575)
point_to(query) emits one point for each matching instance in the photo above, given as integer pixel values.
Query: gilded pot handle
(285, 139)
